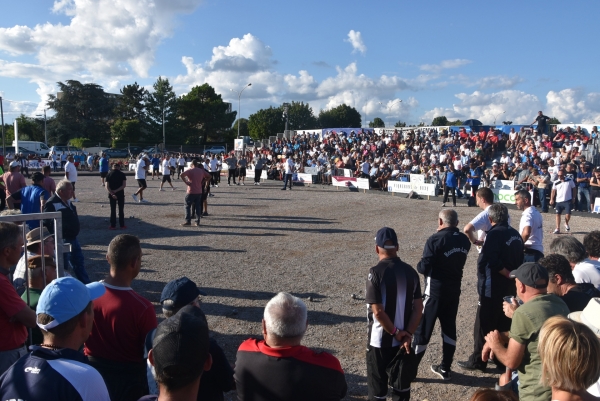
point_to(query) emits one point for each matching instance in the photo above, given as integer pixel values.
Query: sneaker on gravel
(186, 224)
(556, 231)
(173, 189)
(204, 214)
(243, 183)
(144, 201)
(134, 197)
(161, 190)
(112, 228)
(443, 374)
(567, 227)
(197, 224)
(216, 186)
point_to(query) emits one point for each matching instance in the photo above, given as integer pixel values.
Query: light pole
(2, 115)
(163, 123)
(239, 103)
(45, 132)
(496, 116)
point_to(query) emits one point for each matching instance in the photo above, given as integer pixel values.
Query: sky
(397, 60)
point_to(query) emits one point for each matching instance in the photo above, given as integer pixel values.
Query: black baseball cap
(181, 346)
(386, 234)
(532, 275)
(181, 291)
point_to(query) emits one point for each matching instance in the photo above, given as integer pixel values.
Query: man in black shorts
(140, 175)
(242, 164)
(167, 169)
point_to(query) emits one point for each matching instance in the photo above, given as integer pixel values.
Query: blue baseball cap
(384, 235)
(181, 291)
(65, 298)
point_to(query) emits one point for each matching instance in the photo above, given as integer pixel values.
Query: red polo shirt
(12, 334)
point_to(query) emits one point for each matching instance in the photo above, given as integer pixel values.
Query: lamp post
(45, 132)
(2, 115)
(163, 124)
(239, 104)
(496, 116)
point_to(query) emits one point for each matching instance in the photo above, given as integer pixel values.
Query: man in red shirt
(122, 318)
(195, 178)
(15, 315)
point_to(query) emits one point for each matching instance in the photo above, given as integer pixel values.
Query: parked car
(215, 150)
(27, 153)
(60, 149)
(40, 148)
(116, 152)
(134, 150)
(151, 150)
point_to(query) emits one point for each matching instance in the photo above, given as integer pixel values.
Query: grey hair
(569, 247)
(286, 316)
(62, 184)
(498, 213)
(449, 217)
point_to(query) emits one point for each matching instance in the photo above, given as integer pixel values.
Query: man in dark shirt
(279, 367)
(541, 120)
(501, 253)
(442, 265)
(395, 307)
(562, 283)
(115, 185)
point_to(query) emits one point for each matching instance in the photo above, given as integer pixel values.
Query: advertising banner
(311, 170)
(350, 182)
(250, 174)
(304, 178)
(503, 184)
(406, 187)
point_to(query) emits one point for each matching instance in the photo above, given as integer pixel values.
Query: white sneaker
(556, 231)
(75, 200)
(173, 189)
(216, 186)
(243, 184)
(161, 190)
(258, 183)
(567, 227)
(134, 197)
(144, 201)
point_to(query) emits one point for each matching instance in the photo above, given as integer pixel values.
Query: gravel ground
(314, 242)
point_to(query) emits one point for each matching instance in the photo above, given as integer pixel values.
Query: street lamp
(163, 123)
(239, 103)
(2, 116)
(496, 116)
(45, 132)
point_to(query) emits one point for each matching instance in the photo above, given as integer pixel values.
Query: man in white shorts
(563, 199)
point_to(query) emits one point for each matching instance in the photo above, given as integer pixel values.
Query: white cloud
(355, 39)
(490, 82)
(574, 105)
(444, 65)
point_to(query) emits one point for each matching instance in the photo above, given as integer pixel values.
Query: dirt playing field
(314, 242)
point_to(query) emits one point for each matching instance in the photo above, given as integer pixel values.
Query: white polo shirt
(564, 190)
(166, 164)
(140, 173)
(531, 217)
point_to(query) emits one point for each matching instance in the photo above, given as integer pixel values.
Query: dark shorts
(166, 178)
(142, 184)
(103, 174)
(73, 184)
(242, 171)
(204, 195)
(563, 206)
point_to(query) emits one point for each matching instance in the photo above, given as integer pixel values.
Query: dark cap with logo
(181, 291)
(384, 235)
(532, 275)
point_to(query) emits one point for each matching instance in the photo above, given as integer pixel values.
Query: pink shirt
(49, 185)
(13, 182)
(195, 176)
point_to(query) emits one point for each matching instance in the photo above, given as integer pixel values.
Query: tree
(82, 110)
(79, 142)
(400, 124)
(125, 131)
(266, 122)
(342, 116)
(377, 123)
(440, 121)
(553, 120)
(456, 122)
(202, 112)
(507, 122)
(161, 102)
(30, 129)
(243, 122)
(300, 116)
(130, 105)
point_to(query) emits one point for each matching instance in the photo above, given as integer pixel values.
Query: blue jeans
(75, 260)
(286, 178)
(543, 201)
(583, 193)
(196, 201)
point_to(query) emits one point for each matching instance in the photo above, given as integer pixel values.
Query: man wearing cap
(179, 355)
(38, 276)
(530, 227)
(279, 367)
(56, 370)
(33, 198)
(122, 319)
(394, 309)
(176, 295)
(15, 315)
(14, 181)
(517, 349)
(34, 248)
(562, 197)
(442, 264)
(501, 253)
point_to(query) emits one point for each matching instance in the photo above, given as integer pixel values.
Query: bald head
(448, 218)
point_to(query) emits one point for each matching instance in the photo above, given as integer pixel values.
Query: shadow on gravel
(280, 219)
(262, 295)
(303, 230)
(188, 248)
(464, 380)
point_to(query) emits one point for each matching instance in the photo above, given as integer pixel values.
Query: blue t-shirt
(155, 162)
(475, 172)
(103, 165)
(451, 180)
(30, 202)
(581, 174)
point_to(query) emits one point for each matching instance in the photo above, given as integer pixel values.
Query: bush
(80, 142)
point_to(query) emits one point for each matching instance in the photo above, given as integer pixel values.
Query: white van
(38, 147)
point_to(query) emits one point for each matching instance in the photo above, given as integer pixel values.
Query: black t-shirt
(576, 301)
(541, 120)
(115, 179)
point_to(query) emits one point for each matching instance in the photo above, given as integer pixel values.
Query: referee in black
(395, 306)
(442, 264)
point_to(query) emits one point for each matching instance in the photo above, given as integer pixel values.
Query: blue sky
(462, 59)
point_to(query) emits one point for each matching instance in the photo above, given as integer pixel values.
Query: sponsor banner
(503, 184)
(350, 182)
(303, 177)
(238, 144)
(405, 187)
(506, 196)
(417, 178)
(250, 173)
(34, 164)
(311, 170)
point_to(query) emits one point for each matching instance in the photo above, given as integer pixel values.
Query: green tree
(457, 122)
(300, 116)
(130, 105)
(125, 131)
(266, 122)
(30, 129)
(82, 110)
(400, 124)
(553, 120)
(80, 142)
(440, 121)
(161, 102)
(377, 123)
(203, 113)
(342, 116)
(243, 122)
